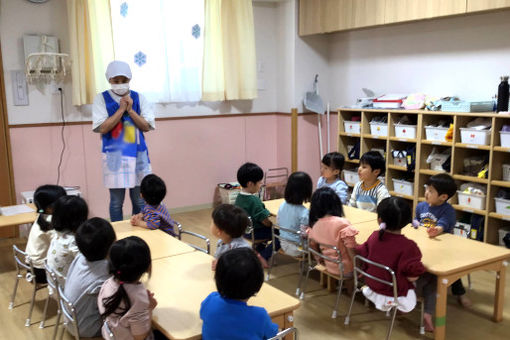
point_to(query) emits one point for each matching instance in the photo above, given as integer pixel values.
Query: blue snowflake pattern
(195, 31)
(140, 58)
(124, 9)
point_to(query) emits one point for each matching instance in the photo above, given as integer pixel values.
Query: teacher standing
(121, 116)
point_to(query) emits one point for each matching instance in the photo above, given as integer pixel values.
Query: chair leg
(335, 310)
(64, 328)
(469, 281)
(302, 295)
(32, 302)
(422, 310)
(11, 304)
(300, 281)
(392, 323)
(348, 316)
(57, 324)
(271, 265)
(41, 325)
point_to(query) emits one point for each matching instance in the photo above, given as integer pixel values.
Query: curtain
(91, 47)
(229, 71)
(162, 41)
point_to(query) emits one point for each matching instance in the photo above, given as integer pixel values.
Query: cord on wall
(60, 91)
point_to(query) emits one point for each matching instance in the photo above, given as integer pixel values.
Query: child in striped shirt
(154, 214)
(369, 191)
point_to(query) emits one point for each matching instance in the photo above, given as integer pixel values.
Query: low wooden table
(354, 215)
(451, 257)
(6, 221)
(161, 244)
(180, 284)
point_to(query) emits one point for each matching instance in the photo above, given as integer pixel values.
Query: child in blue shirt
(331, 168)
(292, 214)
(438, 216)
(369, 191)
(225, 313)
(154, 214)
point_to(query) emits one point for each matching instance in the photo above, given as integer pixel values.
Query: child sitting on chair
(229, 225)
(328, 226)
(250, 177)
(331, 169)
(390, 248)
(369, 191)
(292, 214)
(438, 216)
(154, 214)
(225, 313)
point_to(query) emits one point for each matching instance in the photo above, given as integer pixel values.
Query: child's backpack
(409, 154)
(354, 152)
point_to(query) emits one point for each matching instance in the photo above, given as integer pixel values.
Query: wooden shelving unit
(496, 154)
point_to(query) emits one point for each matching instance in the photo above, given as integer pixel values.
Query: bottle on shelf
(503, 90)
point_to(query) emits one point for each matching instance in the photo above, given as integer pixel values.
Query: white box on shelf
(506, 172)
(351, 177)
(379, 129)
(400, 161)
(502, 206)
(502, 232)
(471, 200)
(473, 136)
(436, 133)
(504, 136)
(403, 187)
(462, 229)
(405, 131)
(352, 127)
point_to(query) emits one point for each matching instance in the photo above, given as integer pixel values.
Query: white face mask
(120, 89)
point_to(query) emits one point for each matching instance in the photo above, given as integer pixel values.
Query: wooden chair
(206, 249)
(301, 258)
(24, 269)
(314, 264)
(282, 334)
(359, 262)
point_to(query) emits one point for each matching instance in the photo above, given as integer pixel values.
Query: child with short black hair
(250, 177)
(68, 214)
(369, 191)
(390, 248)
(224, 313)
(154, 214)
(229, 225)
(438, 216)
(41, 234)
(292, 214)
(124, 303)
(331, 168)
(88, 272)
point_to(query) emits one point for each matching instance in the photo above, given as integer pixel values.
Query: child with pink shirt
(328, 226)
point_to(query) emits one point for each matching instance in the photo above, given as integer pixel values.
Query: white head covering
(118, 68)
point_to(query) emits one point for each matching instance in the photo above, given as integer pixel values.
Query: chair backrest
(68, 310)
(284, 333)
(317, 253)
(51, 278)
(301, 243)
(206, 249)
(360, 262)
(22, 261)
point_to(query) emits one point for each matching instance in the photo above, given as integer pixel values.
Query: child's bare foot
(263, 261)
(464, 301)
(427, 321)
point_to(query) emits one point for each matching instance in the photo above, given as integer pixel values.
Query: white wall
(464, 56)
(19, 17)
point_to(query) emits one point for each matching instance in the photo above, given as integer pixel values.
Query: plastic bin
(505, 138)
(502, 232)
(462, 229)
(472, 136)
(228, 196)
(352, 127)
(403, 187)
(379, 129)
(436, 133)
(502, 206)
(351, 177)
(405, 131)
(471, 200)
(506, 172)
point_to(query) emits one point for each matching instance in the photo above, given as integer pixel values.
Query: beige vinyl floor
(312, 318)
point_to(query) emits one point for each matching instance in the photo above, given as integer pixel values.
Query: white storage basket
(405, 131)
(379, 129)
(472, 136)
(502, 206)
(351, 177)
(505, 138)
(403, 187)
(436, 133)
(352, 127)
(471, 200)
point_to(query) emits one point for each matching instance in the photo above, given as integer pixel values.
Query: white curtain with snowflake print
(166, 55)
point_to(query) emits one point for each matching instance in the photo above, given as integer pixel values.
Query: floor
(313, 318)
